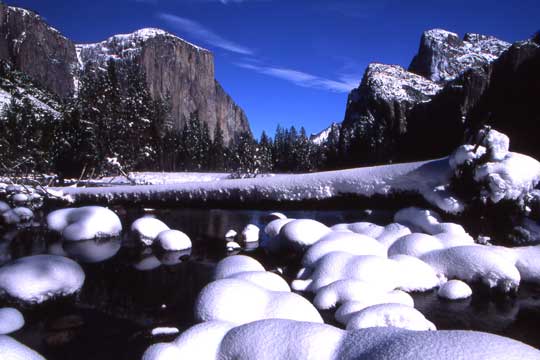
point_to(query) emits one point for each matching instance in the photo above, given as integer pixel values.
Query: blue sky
(293, 62)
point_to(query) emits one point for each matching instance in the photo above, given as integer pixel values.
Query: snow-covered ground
(425, 177)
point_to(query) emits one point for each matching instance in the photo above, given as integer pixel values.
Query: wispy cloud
(344, 83)
(204, 34)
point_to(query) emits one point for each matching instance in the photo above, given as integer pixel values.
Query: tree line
(114, 119)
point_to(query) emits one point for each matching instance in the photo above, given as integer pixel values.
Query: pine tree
(217, 156)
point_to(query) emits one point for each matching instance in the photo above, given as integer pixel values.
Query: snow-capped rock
(421, 220)
(365, 228)
(349, 308)
(84, 223)
(415, 244)
(236, 264)
(173, 240)
(395, 315)
(164, 331)
(240, 302)
(17, 215)
(232, 246)
(11, 349)
(230, 234)
(250, 233)
(346, 290)
(147, 228)
(455, 290)
(415, 274)
(11, 320)
(35, 279)
(92, 251)
(391, 233)
(264, 279)
(443, 55)
(302, 233)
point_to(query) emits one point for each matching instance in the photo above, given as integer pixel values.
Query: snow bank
(238, 301)
(173, 240)
(84, 223)
(418, 177)
(10, 320)
(35, 279)
(147, 228)
(475, 263)
(349, 308)
(11, 349)
(302, 233)
(352, 243)
(455, 290)
(341, 266)
(395, 315)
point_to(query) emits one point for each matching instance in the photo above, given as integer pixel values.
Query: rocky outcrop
(443, 56)
(503, 94)
(377, 110)
(175, 70)
(37, 49)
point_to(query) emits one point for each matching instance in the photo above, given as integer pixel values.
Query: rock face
(174, 69)
(37, 49)
(321, 137)
(443, 56)
(395, 114)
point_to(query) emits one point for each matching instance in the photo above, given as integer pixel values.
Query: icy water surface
(129, 291)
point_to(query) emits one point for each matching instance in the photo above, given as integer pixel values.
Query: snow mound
(508, 179)
(11, 349)
(475, 263)
(162, 351)
(250, 233)
(264, 279)
(302, 233)
(527, 262)
(415, 274)
(232, 246)
(230, 234)
(415, 244)
(236, 264)
(451, 239)
(92, 251)
(391, 233)
(420, 220)
(341, 266)
(173, 240)
(465, 155)
(10, 320)
(342, 291)
(352, 243)
(272, 229)
(455, 290)
(349, 308)
(238, 301)
(4, 206)
(35, 279)
(496, 144)
(164, 331)
(365, 228)
(147, 228)
(84, 223)
(395, 315)
(275, 216)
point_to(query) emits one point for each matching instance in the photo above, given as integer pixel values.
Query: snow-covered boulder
(17, 215)
(395, 315)
(465, 155)
(418, 219)
(92, 251)
(415, 274)
(20, 199)
(345, 290)
(4, 206)
(341, 266)
(230, 234)
(11, 349)
(301, 234)
(275, 215)
(415, 244)
(451, 239)
(164, 331)
(527, 262)
(349, 242)
(272, 229)
(84, 223)
(250, 233)
(10, 320)
(147, 228)
(365, 228)
(264, 279)
(475, 263)
(232, 246)
(496, 143)
(349, 308)
(240, 302)
(173, 240)
(236, 264)
(35, 279)
(455, 290)
(391, 233)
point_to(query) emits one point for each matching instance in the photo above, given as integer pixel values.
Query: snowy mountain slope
(321, 137)
(442, 55)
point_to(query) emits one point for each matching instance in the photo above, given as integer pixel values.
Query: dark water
(128, 291)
